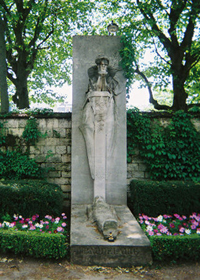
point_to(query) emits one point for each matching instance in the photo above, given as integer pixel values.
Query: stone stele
(99, 189)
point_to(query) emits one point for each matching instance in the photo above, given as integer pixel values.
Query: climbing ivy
(128, 58)
(31, 132)
(171, 152)
(17, 164)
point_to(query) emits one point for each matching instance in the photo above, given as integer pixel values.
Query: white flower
(5, 224)
(187, 231)
(38, 225)
(24, 226)
(149, 228)
(160, 218)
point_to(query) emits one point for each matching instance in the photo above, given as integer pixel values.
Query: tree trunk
(21, 96)
(3, 71)
(180, 96)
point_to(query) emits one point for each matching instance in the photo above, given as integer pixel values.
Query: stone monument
(99, 213)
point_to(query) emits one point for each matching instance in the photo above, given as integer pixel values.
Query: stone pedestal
(88, 246)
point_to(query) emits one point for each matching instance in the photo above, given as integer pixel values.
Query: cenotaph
(103, 230)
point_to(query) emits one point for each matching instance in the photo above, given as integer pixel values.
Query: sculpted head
(102, 63)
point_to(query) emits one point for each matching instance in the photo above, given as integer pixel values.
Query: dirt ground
(23, 268)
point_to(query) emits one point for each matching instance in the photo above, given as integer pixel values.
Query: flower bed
(31, 236)
(173, 237)
(48, 224)
(170, 225)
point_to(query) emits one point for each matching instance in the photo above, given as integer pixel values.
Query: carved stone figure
(98, 129)
(99, 108)
(105, 217)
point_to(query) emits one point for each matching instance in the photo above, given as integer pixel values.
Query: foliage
(127, 54)
(39, 36)
(2, 134)
(170, 248)
(33, 244)
(170, 224)
(170, 30)
(31, 132)
(15, 165)
(27, 197)
(159, 197)
(171, 152)
(48, 224)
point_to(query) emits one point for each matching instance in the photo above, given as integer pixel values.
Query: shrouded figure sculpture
(98, 123)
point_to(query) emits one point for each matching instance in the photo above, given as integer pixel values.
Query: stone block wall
(54, 151)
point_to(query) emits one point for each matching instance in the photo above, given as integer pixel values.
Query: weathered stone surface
(105, 217)
(85, 51)
(88, 246)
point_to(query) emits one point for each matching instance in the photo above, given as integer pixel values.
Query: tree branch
(175, 11)
(151, 99)
(154, 27)
(195, 10)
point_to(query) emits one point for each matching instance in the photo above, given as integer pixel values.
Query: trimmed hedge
(157, 198)
(33, 244)
(29, 197)
(173, 248)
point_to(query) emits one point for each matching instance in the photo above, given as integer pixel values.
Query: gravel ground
(12, 267)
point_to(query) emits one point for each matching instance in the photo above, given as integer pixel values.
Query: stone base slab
(88, 246)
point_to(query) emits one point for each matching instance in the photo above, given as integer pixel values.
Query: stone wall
(136, 169)
(54, 151)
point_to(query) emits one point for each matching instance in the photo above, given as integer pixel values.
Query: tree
(30, 26)
(3, 82)
(172, 27)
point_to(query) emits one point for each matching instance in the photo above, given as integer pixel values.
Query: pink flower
(60, 229)
(32, 227)
(169, 233)
(47, 227)
(176, 216)
(164, 229)
(34, 217)
(151, 233)
(48, 217)
(64, 224)
(160, 226)
(181, 229)
(193, 226)
(198, 230)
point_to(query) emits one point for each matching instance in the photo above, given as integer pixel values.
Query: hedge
(173, 248)
(33, 244)
(29, 197)
(157, 198)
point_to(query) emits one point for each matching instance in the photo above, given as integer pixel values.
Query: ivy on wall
(14, 162)
(171, 152)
